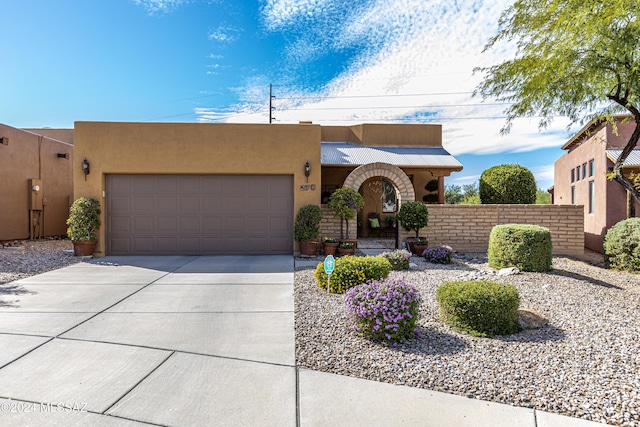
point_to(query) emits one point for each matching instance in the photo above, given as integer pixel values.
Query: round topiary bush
(507, 184)
(622, 245)
(413, 216)
(480, 307)
(351, 271)
(384, 311)
(525, 246)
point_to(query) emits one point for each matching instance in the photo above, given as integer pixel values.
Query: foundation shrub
(351, 271)
(438, 254)
(481, 308)
(525, 246)
(399, 259)
(384, 311)
(622, 245)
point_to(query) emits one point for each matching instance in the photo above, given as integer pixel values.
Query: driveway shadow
(12, 289)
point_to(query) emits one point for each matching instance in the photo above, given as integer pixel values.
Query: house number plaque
(308, 187)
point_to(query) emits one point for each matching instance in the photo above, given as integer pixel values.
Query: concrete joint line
(21, 356)
(138, 383)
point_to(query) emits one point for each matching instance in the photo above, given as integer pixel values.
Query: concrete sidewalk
(191, 341)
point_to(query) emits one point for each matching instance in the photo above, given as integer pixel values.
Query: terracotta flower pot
(342, 252)
(308, 248)
(84, 247)
(330, 248)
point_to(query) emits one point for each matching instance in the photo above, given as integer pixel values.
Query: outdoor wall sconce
(63, 155)
(307, 170)
(85, 168)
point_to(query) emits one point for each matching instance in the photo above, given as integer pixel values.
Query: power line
(377, 96)
(391, 107)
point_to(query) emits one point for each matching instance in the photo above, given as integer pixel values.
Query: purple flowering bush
(399, 259)
(385, 311)
(438, 254)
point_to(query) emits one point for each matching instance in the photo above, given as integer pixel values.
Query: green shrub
(430, 198)
(413, 216)
(622, 245)
(432, 185)
(507, 184)
(399, 259)
(351, 271)
(84, 219)
(480, 307)
(343, 203)
(307, 224)
(525, 246)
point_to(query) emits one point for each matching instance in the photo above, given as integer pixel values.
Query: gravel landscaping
(25, 258)
(585, 363)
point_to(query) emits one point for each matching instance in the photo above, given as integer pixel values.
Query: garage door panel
(143, 203)
(188, 204)
(166, 225)
(143, 245)
(142, 225)
(167, 245)
(142, 184)
(199, 214)
(166, 204)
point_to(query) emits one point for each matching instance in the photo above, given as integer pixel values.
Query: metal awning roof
(345, 153)
(632, 161)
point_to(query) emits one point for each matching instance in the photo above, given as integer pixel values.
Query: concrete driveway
(162, 340)
(192, 341)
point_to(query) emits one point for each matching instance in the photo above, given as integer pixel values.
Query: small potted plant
(391, 220)
(413, 216)
(83, 222)
(343, 203)
(330, 245)
(346, 248)
(419, 245)
(306, 229)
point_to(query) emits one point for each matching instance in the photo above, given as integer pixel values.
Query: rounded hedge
(622, 245)
(525, 246)
(413, 215)
(351, 271)
(479, 307)
(506, 184)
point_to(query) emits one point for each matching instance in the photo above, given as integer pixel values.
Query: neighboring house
(580, 177)
(36, 182)
(196, 188)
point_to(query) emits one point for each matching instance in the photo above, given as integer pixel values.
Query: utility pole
(271, 107)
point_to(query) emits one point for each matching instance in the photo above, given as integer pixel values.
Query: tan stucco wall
(31, 156)
(610, 204)
(385, 134)
(196, 148)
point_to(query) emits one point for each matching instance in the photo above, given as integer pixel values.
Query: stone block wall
(466, 228)
(330, 225)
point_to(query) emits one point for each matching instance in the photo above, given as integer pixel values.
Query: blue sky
(330, 61)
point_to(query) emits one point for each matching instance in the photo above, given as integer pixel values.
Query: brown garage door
(199, 214)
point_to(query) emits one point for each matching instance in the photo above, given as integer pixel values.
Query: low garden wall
(466, 228)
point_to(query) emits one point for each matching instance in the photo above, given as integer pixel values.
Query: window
(573, 175)
(578, 173)
(592, 197)
(573, 195)
(584, 170)
(389, 197)
(591, 166)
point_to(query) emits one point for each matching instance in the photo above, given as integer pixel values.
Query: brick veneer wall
(330, 225)
(466, 228)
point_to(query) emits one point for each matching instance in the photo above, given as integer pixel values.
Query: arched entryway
(393, 173)
(369, 180)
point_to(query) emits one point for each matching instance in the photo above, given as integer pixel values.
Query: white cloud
(467, 179)
(543, 174)
(417, 66)
(224, 34)
(155, 6)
